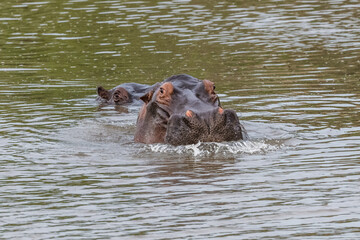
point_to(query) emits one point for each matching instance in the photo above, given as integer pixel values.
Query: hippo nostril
(220, 110)
(189, 113)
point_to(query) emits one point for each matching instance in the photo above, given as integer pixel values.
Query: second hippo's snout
(216, 125)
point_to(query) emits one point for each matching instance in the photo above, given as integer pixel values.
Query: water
(70, 169)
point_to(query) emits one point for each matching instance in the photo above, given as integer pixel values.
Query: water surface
(71, 170)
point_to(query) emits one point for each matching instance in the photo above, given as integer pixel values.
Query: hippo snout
(216, 125)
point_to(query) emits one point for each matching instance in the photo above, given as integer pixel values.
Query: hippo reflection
(124, 93)
(185, 110)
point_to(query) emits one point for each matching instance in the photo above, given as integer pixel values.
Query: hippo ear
(147, 97)
(103, 93)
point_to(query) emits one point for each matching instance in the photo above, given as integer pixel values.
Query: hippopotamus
(124, 93)
(184, 110)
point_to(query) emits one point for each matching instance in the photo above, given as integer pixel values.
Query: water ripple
(70, 168)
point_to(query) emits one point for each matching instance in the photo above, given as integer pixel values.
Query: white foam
(216, 149)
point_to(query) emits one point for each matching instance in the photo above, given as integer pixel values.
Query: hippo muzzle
(213, 126)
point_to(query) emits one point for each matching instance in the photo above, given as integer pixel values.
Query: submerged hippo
(185, 110)
(124, 93)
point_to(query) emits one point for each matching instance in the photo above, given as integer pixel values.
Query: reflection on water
(70, 168)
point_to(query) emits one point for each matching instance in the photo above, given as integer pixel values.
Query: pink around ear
(147, 97)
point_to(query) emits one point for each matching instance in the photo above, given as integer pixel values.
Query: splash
(216, 149)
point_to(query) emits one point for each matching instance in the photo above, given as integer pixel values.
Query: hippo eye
(161, 90)
(214, 87)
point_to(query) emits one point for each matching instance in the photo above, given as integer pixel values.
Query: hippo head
(117, 95)
(184, 110)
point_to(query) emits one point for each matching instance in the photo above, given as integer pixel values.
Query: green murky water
(70, 170)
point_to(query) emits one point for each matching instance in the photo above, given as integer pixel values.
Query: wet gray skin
(185, 110)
